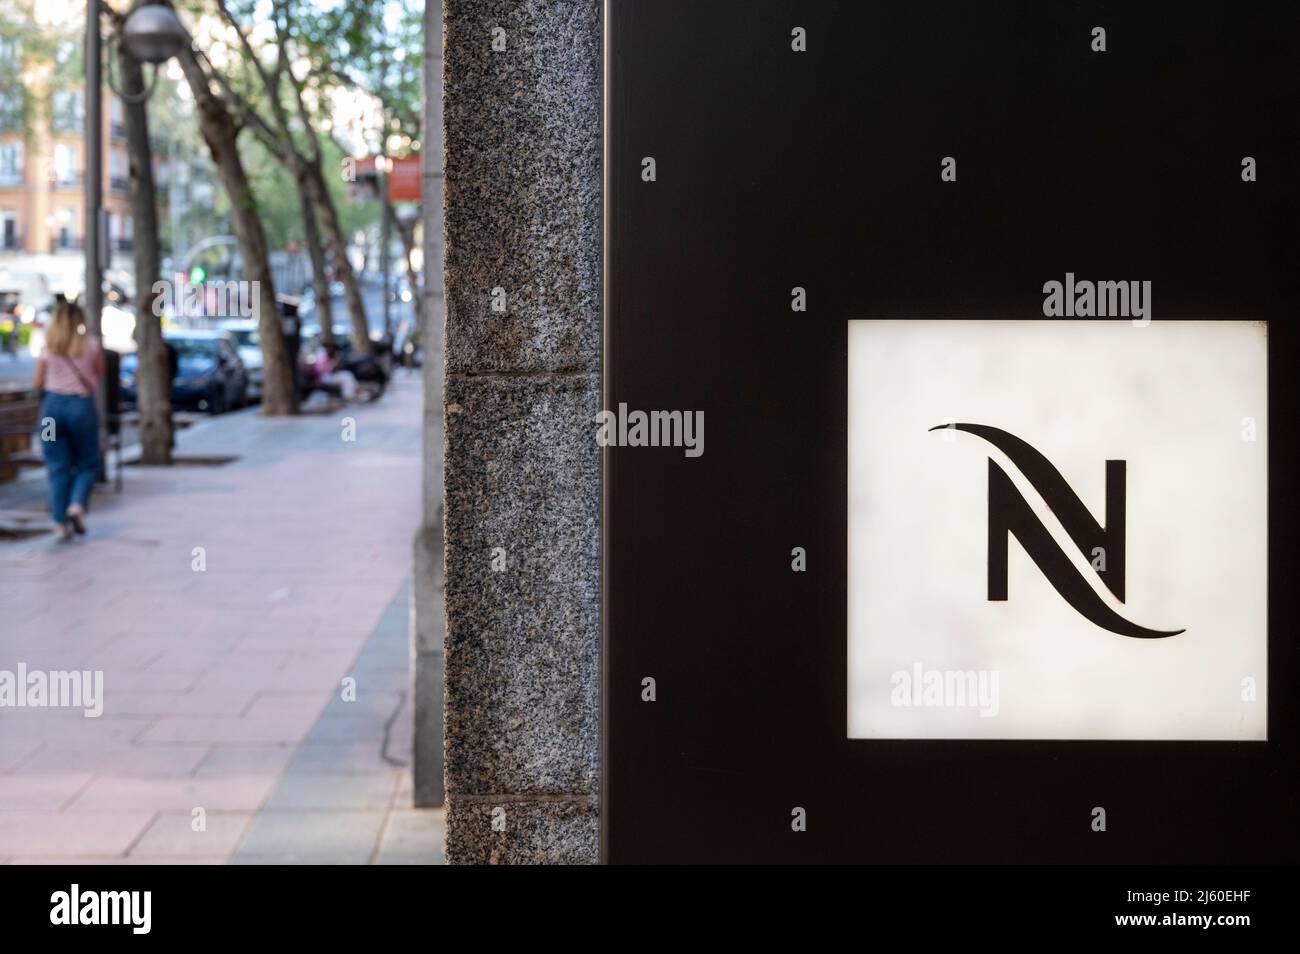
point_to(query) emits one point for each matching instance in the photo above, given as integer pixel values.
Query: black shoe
(74, 517)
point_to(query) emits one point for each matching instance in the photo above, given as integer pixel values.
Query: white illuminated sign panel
(1057, 530)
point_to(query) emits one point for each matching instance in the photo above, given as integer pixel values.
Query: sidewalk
(225, 605)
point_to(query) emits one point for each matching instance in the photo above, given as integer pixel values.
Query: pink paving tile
(120, 760)
(230, 701)
(82, 834)
(79, 860)
(172, 835)
(292, 643)
(40, 792)
(276, 717)
(324, 661)
(294, 679)
(242, 759)
(109, 658)
(14, 752)
(68, 727)
(188, 660)
(150, 681)
(181, 794)
(167, 641)
(221, 729)
(298, 707)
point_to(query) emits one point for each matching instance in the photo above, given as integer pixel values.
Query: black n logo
(1010, 513)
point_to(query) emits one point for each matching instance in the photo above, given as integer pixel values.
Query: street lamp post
(151, 34)
(94, 295)
(385, 236)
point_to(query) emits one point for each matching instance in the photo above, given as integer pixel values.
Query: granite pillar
(522, 123)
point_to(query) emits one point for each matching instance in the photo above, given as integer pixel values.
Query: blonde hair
(66, 335)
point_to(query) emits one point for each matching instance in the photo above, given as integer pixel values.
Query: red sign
(404, 179)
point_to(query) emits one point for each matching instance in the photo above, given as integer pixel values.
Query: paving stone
(333, 792)
(212, 794)
(172, 834)
(414, 836)
(84, 833)
(349, 836)
(241, 759)
(47, 792)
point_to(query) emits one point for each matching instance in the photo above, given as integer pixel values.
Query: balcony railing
(118, 183)
(117, 130)
(66, 243)
(11, 180)
(124, 244)
(66, 180)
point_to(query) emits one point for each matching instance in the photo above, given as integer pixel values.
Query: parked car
(209, 374)
(249, 345)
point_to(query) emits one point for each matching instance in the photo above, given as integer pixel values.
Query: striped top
(61, 371)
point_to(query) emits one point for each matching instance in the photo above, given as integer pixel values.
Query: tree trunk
(329, 222)
(219, 131)
(153, 369)
(320, 281)
(407, 234)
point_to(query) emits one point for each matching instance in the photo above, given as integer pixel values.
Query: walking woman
(68, 371)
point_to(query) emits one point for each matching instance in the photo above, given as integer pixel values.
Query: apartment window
(8, 231)
(11, 110)
(65, 164)
(11, 163)
(65, 237)
(11, 51)
(68, 110)
(118, 171)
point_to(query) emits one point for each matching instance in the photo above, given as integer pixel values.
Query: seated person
(328, 372)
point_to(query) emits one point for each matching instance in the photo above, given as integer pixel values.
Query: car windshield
(194, 355)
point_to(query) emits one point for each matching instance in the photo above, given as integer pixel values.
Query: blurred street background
(231, 191)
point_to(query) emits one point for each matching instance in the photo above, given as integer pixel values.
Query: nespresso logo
(1102, 546)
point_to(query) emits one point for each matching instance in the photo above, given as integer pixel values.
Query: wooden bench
(20, 412)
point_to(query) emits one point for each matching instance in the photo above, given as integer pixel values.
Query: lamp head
(153, 34)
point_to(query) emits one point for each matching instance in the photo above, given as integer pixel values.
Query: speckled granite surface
(536, 831)
(522, 465)
(523, 185)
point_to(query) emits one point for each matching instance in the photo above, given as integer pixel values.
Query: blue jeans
(72, 456)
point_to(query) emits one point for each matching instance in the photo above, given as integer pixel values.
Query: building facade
(42, 151)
